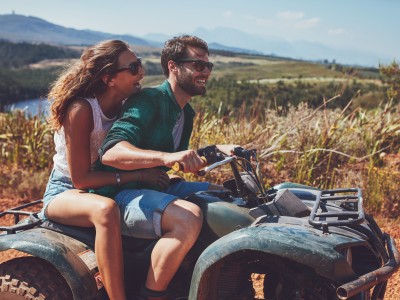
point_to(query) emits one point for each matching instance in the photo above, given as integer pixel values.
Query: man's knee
(191, 212)
(184, 216)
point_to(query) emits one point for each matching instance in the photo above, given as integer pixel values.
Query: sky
(358, 24)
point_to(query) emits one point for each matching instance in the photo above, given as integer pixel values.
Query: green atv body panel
(220, 216)
(64, 253)
(287, 241)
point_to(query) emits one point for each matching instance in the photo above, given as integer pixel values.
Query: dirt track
(391, 227)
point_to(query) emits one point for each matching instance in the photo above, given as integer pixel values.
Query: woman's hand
(155, 177)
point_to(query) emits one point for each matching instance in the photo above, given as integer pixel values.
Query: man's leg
(177, 223)
(181, 224)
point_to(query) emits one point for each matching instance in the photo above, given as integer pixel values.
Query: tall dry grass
(318, 147)
(26, 151)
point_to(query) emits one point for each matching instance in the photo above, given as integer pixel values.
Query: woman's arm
(78, 124)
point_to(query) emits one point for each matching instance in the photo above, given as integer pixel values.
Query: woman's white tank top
(101, 126)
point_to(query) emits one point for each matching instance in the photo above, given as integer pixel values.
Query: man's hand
(189, 160)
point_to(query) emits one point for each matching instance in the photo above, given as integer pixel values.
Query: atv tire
(32, 278)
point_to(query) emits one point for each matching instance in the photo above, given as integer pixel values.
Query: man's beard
(186, 83)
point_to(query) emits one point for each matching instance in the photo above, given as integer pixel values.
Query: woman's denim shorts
(57, 184)
(141, 209)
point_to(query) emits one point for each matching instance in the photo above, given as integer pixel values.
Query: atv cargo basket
(348, 199)
(17, 212)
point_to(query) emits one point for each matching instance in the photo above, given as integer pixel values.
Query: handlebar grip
(177, 166)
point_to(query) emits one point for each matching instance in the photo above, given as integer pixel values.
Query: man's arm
(125, 156)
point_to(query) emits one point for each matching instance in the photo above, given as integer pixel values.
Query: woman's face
(130, 73)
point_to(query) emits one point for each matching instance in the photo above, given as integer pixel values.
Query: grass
(318, 147)
(26, 148)
(280, 69)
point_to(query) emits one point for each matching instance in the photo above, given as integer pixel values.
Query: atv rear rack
(31, 221)
(349, 199)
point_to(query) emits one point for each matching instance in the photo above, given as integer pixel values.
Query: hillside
(15, 55)
(235, 80)
(19, 28)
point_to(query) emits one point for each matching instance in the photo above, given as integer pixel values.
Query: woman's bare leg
(83, 209)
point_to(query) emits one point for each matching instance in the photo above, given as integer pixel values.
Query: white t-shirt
(101, 126)
(178, 130)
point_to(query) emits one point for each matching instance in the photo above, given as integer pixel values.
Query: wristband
(118, 178)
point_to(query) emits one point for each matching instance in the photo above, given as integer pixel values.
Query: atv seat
(87, 236)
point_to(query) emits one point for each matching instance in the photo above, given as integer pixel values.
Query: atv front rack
(31, 221)
(351, 202)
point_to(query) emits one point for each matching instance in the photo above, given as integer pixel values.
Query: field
(345, 145)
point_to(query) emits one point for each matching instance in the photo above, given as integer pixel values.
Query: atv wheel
(32, 278)
(286, 282)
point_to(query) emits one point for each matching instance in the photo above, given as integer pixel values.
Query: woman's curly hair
(84, 78)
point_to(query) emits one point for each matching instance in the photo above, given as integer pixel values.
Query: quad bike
(300, 242)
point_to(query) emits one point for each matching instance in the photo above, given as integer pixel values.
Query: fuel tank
(222, 213)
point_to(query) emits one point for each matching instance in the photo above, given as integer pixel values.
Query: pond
(32, 107)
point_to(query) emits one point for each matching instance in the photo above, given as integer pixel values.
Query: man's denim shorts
(57, 184)
(141, 209)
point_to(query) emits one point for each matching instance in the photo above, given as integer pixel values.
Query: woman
(86, 100)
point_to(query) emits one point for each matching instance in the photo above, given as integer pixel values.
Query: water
(32, 107)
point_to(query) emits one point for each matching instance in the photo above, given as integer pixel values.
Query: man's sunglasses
(198, 64)
(133, 67)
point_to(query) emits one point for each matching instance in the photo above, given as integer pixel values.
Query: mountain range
(19, 28)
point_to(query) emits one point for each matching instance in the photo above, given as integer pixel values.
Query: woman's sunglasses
(198, 64)
(133, 67)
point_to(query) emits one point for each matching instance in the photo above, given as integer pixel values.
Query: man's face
(192, 76)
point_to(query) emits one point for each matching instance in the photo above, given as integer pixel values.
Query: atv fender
(63, 252)
(279, 240)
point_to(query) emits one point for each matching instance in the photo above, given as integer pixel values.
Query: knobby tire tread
(32, 278)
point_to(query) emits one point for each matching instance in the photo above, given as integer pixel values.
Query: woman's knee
(106, 212)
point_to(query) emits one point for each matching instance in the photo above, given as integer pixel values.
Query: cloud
(259, 21)
(250, 17)
(290, 15)
(227, 13)
(336, 31)
(308, 23)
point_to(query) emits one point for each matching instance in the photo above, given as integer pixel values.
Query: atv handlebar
(213, 157)
(177, 166)
(224, 161)
(209, 155)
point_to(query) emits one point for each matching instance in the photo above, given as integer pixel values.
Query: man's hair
(176, 48)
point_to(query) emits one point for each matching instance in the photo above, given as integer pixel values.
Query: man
(154, 131)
